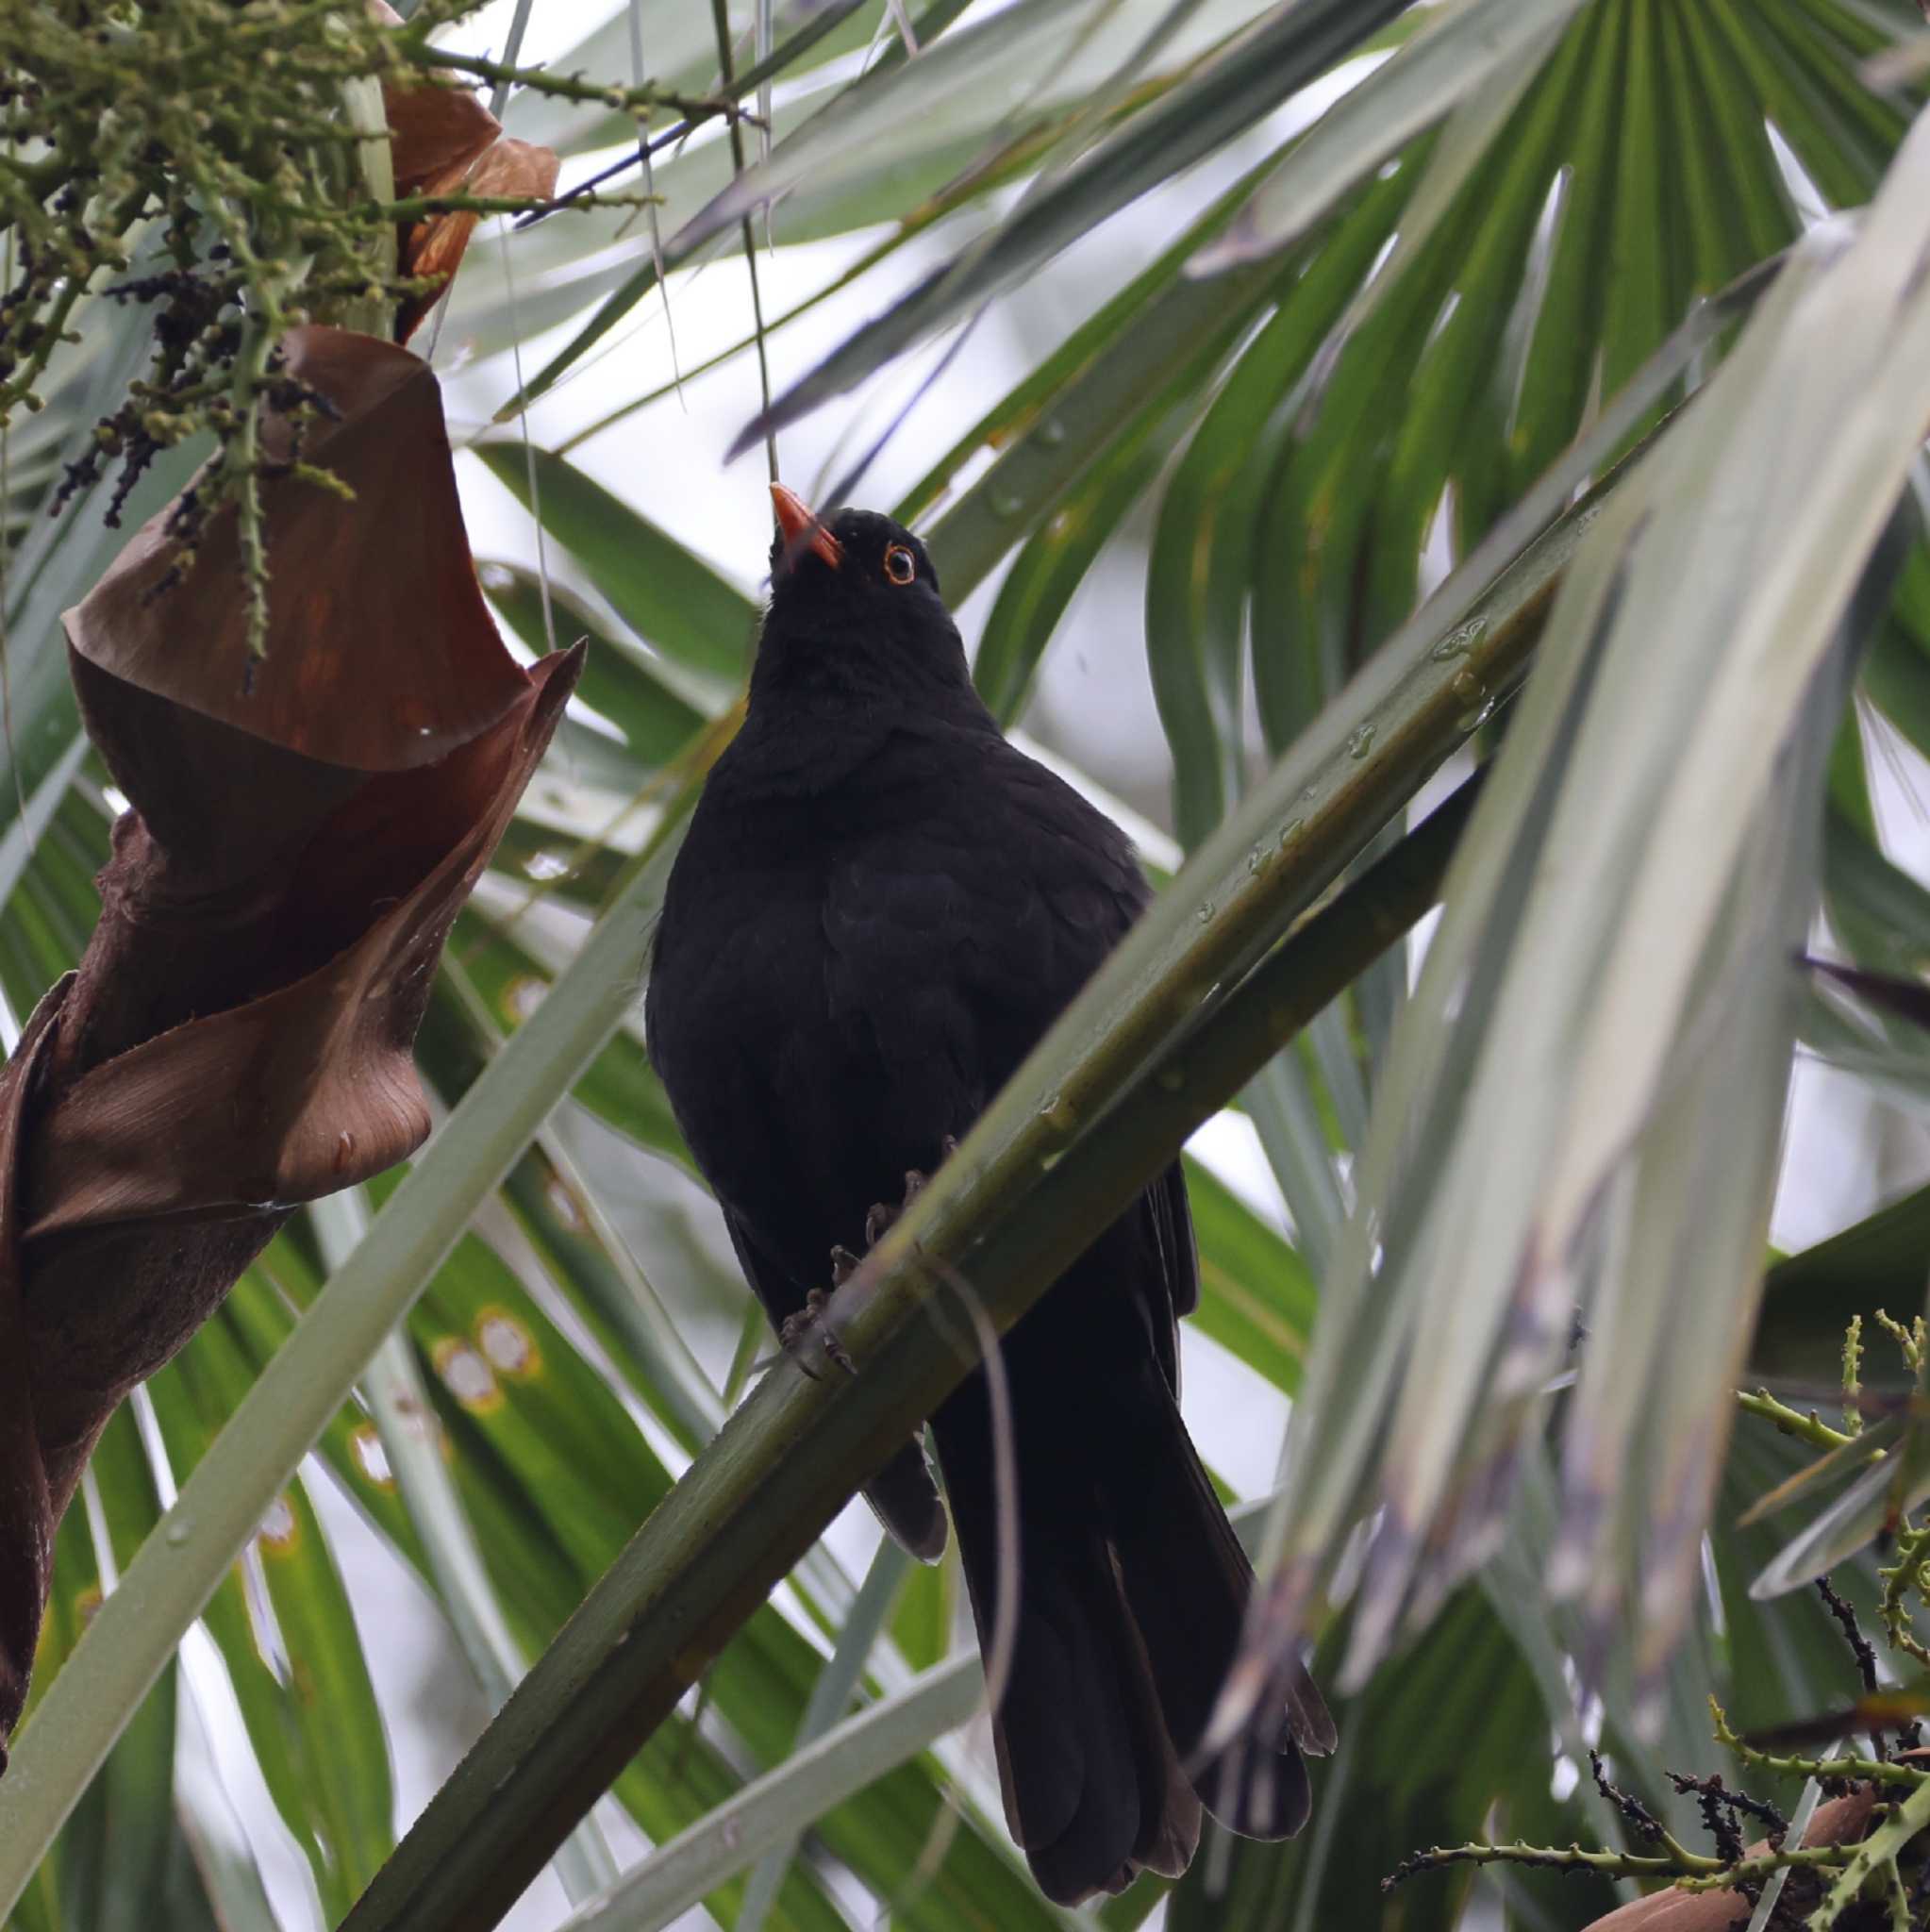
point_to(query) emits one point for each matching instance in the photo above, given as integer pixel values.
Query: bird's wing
(1165, 1205)
(969, 926)
(956, 938)
(780, 1296)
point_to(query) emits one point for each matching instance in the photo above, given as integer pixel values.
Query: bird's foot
(799, 1330)
(883, 1214)
(809, 1324)
(880, 1217)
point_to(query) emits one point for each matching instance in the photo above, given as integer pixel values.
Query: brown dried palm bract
(238, 1038)
(444, 142)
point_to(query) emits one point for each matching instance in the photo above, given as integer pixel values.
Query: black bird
(878, 909)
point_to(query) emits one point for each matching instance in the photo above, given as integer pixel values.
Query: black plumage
(878, 909)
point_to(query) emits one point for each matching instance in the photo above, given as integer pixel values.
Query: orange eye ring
(900, 565)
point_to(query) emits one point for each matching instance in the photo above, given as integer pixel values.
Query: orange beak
(802, 528)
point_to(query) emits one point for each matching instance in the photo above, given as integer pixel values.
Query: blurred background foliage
(1194, 395)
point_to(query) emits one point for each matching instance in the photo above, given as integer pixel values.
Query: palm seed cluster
(211, 159)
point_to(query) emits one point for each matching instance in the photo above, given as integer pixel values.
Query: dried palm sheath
(303, 828)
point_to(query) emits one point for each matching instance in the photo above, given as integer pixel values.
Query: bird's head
(855, 595)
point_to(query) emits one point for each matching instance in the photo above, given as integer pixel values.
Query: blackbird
(879, 908)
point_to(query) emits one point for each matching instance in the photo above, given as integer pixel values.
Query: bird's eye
(900, 565)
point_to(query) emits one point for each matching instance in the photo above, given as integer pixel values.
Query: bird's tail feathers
(1188, 1583)
(1094, 1791)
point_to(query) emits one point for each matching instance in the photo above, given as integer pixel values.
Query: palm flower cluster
(1863, 1864)
(227, 164)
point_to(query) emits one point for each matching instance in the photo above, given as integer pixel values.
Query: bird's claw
(881, 1215)
(879, 1219)
(799, 1330)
